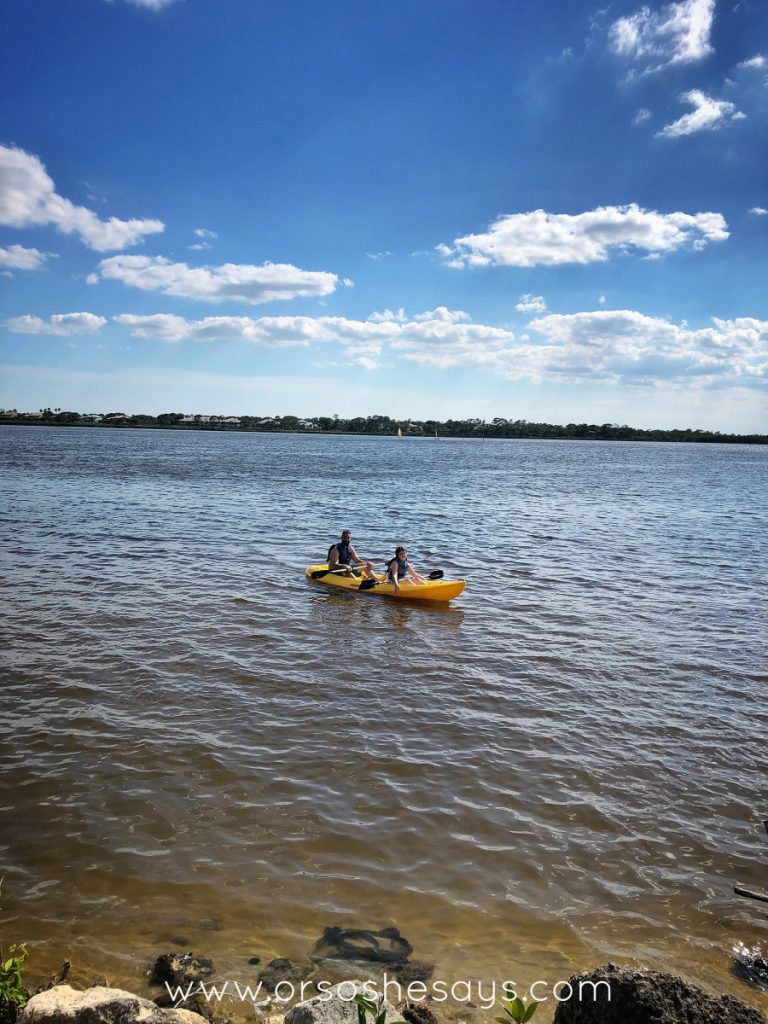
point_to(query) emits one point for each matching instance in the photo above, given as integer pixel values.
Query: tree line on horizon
(499, 427)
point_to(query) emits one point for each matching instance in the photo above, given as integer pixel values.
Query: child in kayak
(399, 568)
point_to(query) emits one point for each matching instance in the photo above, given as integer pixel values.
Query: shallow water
(202, 749)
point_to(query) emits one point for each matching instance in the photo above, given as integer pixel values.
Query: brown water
(202, 750)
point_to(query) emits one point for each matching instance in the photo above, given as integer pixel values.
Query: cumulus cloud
(641, 115)
(531, 304)
(28, 199)
(759, 211)
(708, 114)
(62, 324)
(627, 347)
(756, 63)
(20, 258)
(233, 282)
(205, 233)
(678, 33)
(437, 337)
(547, 239)
(614, 346)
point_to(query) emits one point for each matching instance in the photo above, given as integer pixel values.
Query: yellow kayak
(432, 590)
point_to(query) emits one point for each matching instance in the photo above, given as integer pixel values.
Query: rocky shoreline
(622, 995)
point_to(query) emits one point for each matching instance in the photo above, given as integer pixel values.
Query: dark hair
(399, 548)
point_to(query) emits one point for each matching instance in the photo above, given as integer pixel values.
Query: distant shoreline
(468, 430)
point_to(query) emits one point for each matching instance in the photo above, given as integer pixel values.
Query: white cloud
(378, 255)
(61, 324)
(754, 63)
(28, 199)
(437, 337)
(233, 282)
(759, 211)
(152, 5)
(539, 238)
(198, 246)
(205, 233)
(641, 115)
(531, 304)
(627, 347)
(708, 114)
(602, 346)
(678, 33)
(21, 258)
(601, 300)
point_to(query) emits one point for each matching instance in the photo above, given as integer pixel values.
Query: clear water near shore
(201, 749)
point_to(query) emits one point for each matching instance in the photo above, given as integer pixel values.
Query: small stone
(254, 960)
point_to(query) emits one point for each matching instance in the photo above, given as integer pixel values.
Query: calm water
(200, 748)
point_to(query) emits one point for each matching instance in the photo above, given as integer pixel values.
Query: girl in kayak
(399, 569)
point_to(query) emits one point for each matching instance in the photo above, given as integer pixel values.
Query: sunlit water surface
(201, 749)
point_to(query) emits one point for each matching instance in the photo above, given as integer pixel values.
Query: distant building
(8, 414)
(91, 417)
(308, 425)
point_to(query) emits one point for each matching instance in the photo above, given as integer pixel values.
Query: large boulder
(648, 997)
(65, 1005)
(336, 1006)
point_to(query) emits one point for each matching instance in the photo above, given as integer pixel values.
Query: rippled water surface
(200, 748)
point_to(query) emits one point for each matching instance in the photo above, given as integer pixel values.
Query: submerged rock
(337, 1006)
(65, 1005)
(178, 968)
(648, 997)
(360, 944)
(751, 965)
(284, 969)
(412, 970)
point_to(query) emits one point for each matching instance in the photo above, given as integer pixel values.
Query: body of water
(201, 749)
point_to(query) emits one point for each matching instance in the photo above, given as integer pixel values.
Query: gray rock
(649, 997)
(65, 1005)
(337, 1006)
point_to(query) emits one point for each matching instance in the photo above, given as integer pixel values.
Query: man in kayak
(399, 569)
(342, 556)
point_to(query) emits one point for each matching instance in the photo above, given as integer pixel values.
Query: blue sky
(534, 209)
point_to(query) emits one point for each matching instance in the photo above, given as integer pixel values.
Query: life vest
(402, 568)
(345, 555)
